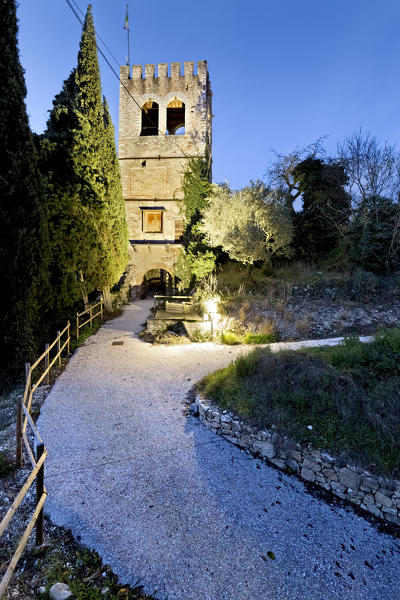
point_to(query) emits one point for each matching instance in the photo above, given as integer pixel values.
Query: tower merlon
(137, 71)
(188, 69)
(124, 71)
(149, 71)
(202, 70)
(162, 69)
(175, 69)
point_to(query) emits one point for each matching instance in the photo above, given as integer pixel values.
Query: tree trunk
(250, 268)
(85, 295)
(107, 299)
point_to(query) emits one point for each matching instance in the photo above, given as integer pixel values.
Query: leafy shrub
(364, 283)
(198, 335)
(260, 338)
(230, 338)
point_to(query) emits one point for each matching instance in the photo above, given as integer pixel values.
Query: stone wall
(377, 495)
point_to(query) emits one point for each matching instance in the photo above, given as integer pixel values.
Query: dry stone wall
(378, 495)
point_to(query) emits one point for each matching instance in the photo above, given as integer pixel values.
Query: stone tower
(164, 119)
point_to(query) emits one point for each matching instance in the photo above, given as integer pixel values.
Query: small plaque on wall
(148, 182)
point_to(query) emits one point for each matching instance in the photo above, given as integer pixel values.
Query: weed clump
(260, 338)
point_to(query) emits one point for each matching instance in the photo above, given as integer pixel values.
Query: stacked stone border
(378, 495)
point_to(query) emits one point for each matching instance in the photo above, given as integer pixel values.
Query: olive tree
(250, 225)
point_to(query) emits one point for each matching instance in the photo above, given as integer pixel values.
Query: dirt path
(164, 500)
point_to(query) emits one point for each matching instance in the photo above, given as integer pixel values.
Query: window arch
(149, 118)
(176, 117)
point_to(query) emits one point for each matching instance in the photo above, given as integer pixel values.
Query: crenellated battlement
(176, 70)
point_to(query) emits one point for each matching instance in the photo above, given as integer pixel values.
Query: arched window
(176, 117)
(149, 118)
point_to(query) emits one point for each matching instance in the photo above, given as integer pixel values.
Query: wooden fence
(37, 454)
(88, 311)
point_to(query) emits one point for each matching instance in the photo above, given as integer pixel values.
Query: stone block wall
(378, 495)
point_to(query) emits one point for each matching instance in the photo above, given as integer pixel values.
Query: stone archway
(145, 280)
(156, 281)
(147, 257)
(141, 273)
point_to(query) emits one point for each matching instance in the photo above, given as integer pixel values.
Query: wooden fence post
(46, 363)
(39, 494)
(19, 433)
(90, 315)
(28, 376)
(68, 333)
(59, 348)
(101, 309)
(77, 326)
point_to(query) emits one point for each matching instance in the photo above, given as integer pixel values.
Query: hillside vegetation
(349, 394)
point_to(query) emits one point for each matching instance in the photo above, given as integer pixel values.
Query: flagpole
(129, 58)
(126, 26)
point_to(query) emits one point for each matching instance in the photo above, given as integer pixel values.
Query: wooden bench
(177, 307)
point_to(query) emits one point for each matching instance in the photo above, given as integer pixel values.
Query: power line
(98, 35)
(170, 138)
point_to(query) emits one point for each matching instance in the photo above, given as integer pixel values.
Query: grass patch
(259, 338)
(350, 394)
(198, 335)
(230, 338)
(84, 334)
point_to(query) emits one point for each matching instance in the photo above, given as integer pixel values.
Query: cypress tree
(22, 219)
(71, 223)
(113, 227)
(88, 219)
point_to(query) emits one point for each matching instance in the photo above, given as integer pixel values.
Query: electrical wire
(97, 35)
(170, 138)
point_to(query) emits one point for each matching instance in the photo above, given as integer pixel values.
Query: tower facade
(164, 120)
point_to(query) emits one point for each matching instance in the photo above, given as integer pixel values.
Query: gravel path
(169, 503)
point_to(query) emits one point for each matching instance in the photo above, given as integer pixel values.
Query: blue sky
(283, 72)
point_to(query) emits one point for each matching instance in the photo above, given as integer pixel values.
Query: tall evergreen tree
(88, 224)
(113, 229)
(22, 224)
(72, 228)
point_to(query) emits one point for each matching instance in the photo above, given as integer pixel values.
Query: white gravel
(167, 502)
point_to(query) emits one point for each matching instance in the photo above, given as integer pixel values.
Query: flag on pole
(126, 23)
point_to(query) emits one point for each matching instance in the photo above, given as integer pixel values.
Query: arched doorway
(156, 281)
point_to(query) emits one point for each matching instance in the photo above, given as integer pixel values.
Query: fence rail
(92, 316)
(37, 454)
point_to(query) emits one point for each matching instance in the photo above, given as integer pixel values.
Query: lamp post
(212, 306)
